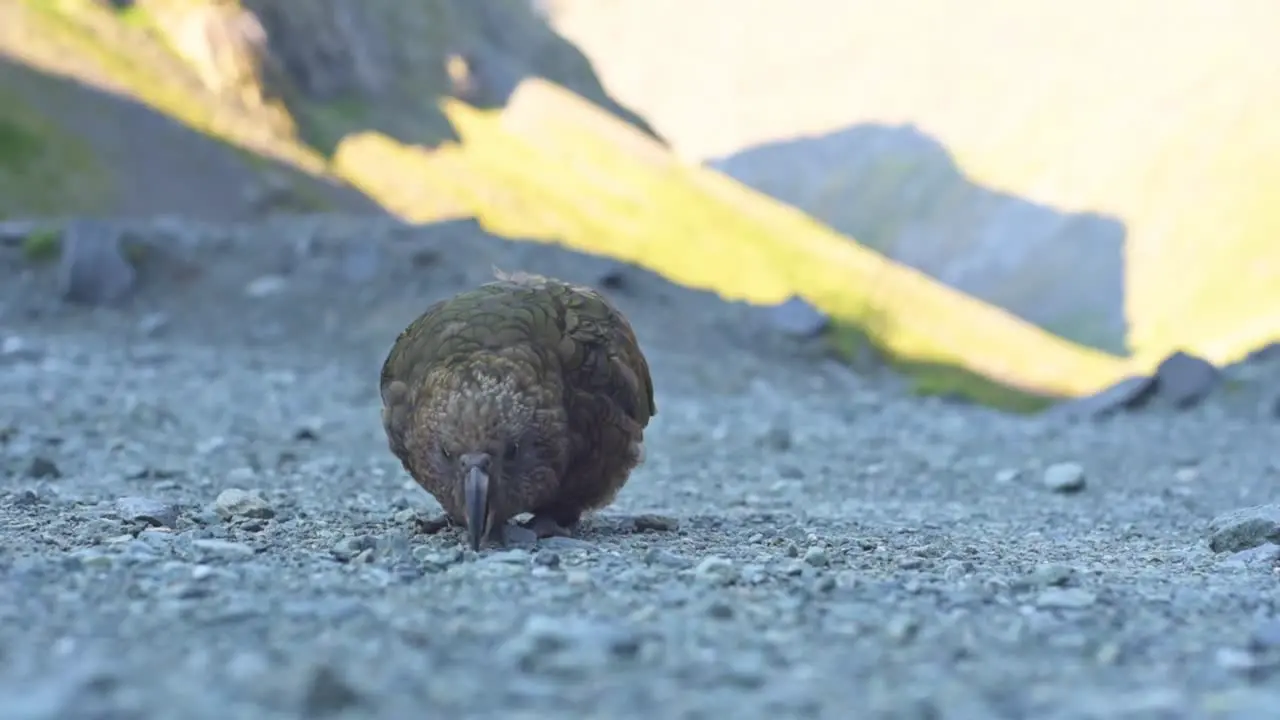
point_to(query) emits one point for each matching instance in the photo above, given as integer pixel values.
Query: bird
(525, 394)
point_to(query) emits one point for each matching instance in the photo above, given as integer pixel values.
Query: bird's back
(552, 321)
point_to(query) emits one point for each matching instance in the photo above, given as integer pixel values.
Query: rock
(308, 430)
(223, 43)
(19, 349)
(798, 318)
(615, 277)
(1128, 394)
(665, 558)
(1048, 575)
(568, 647)
(153, 324)
(42, 468)
(1266, 637)
(1066, 477)
(222, 548)
(778, 438)
(507, 556)
(235, 502)
(816, 556)
(1245, 528)
(1266, 555)
(348, 548)
(519, 535)
(654, 523)
(716, 570)
(1065, 598)
(547, 558)
(328, 693)
(93, 269)
(902, 628)
(1007, 475)
(1184, 380)
(146, 510)
(265, 286)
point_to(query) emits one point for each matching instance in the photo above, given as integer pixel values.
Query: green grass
(41, 246)
(20, 146)
(42, 169)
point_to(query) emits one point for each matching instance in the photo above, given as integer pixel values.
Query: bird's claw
(544, 527)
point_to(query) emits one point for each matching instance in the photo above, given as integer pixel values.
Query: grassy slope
(553, 169)
(45, 170)
(548, 176)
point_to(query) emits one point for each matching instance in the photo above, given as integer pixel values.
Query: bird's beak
(476, 492)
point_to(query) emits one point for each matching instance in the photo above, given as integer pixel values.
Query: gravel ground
(202, 520)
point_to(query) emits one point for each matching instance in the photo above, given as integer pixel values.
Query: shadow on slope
(898, 191)
(618, 193)
(68, 148)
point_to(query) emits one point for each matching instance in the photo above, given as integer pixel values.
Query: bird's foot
(432, 525)
(544, 526)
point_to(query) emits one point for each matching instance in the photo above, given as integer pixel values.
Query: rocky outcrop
(344, 66)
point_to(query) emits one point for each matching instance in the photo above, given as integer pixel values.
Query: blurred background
(1051, 196)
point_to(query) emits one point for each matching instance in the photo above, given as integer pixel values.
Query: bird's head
(485, 435)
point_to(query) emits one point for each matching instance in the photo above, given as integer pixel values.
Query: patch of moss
(19, 146)
(860, 349)
(41, 246)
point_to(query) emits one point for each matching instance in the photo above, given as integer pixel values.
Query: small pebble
(265, 286)
(547, 558)
(816, 556)
(352, 546)
(42, 468)
(716, 570)
(147, 510)
(1065, 598)
(235, 502)
(1067, 477)
(224, 548)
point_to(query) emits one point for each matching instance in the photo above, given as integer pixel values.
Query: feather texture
(542, 380)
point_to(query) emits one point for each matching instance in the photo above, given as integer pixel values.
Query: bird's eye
(511, 451)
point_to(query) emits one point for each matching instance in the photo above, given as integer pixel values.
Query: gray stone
(572, 647)
(1184, 380)
(222, 548)
(92, 267)
(147, 510)
(236, 502)
(1066, 477)
(1245, 528)
(797, 317)
(1127, 394)
(1065, 598)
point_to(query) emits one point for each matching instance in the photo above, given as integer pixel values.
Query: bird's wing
(602, 354)
(406, 364)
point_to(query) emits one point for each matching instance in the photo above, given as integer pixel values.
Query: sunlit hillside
(1155, 117)
(548, 166)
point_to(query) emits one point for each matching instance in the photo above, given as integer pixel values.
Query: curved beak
(476, 492)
